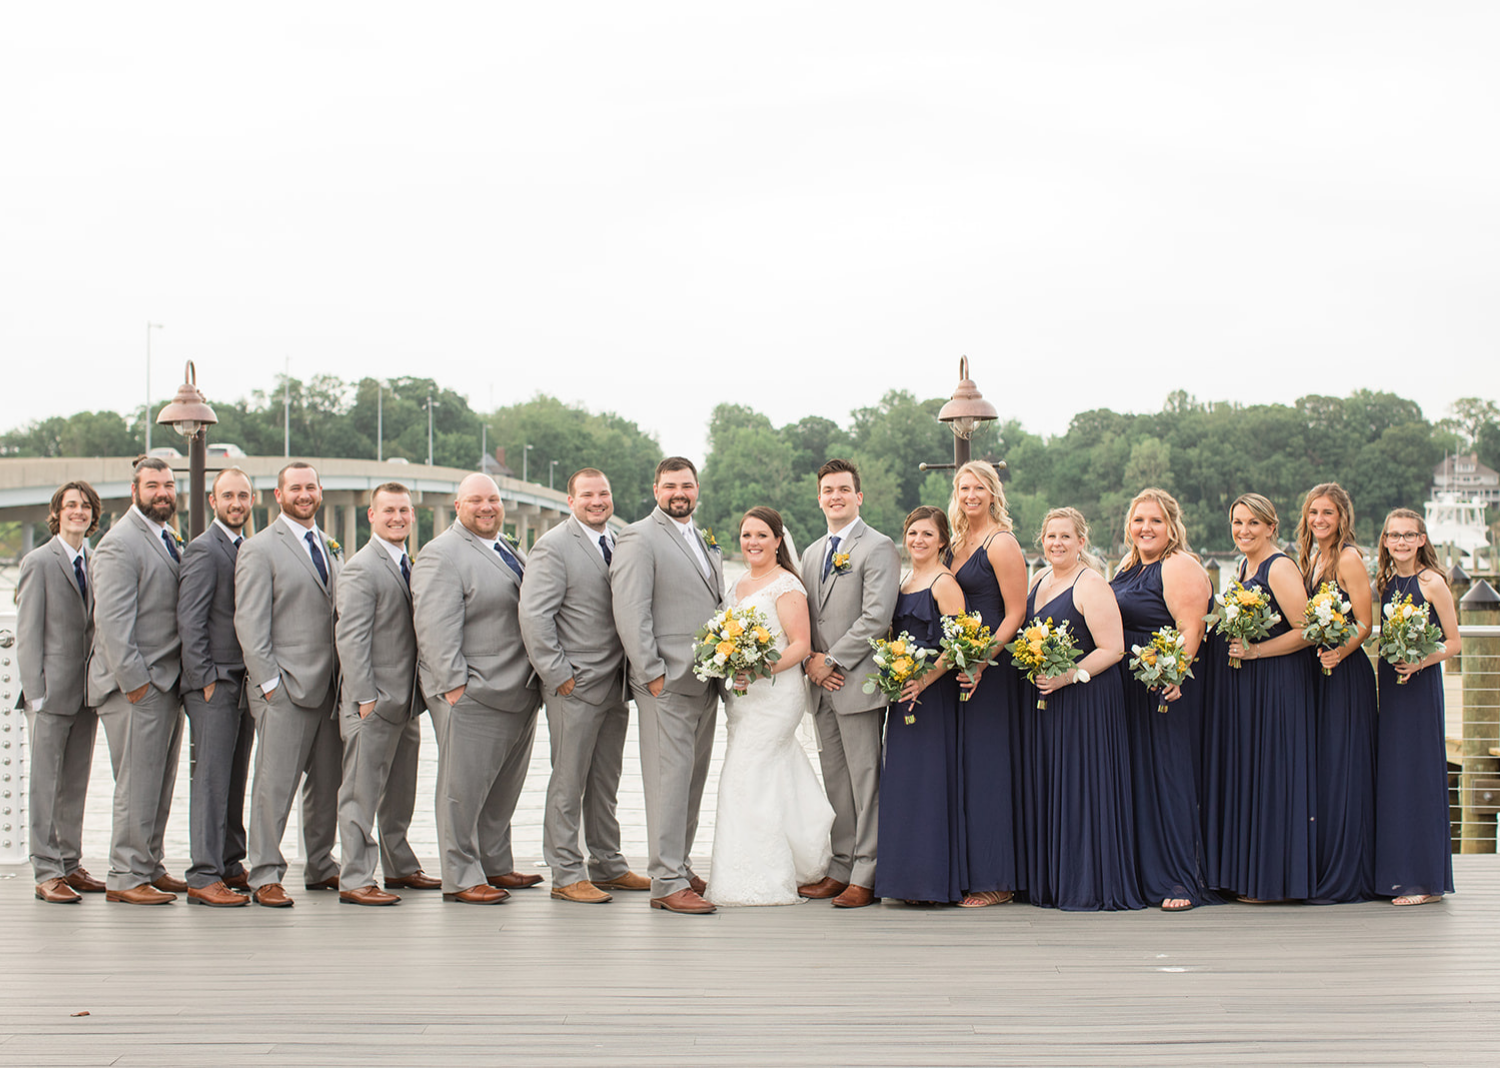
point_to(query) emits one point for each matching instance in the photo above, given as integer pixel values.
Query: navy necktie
(406, 570)
(317, 556)
(609, 557)
(510, 560)
(83, 583)
(166, 536)
(833, 547)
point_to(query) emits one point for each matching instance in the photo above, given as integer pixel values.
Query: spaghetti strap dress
(1080, 848)
(1413, 850)
(990, 745)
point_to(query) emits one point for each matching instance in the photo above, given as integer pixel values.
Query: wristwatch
(1080, 675)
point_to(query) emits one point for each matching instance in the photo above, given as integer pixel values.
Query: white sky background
(653, 207)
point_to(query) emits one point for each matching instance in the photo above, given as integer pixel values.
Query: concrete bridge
(26, 487)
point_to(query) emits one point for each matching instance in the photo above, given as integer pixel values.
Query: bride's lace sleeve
(784, 584)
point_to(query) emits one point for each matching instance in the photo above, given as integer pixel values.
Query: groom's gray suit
(847, 609)
(661, 597)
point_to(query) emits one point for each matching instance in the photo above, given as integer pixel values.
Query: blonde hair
(1327, 570)
(1260, 507)
(1385, 565)
(1080, 527)
(958, 519)
(1177, 536)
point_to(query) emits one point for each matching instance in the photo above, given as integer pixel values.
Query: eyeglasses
(1398, 538)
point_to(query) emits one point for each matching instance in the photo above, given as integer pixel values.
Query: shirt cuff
(36, 706)
(267, 687)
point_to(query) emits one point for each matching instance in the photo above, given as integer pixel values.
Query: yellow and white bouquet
(898, 660)
(1408, 635)
(1162, 663)
(1243, 613)
(1044, 649)
(1328, 621)
(736, 641)
(968, 643)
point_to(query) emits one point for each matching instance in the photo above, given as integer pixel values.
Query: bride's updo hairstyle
(772, 518)
(939, 519)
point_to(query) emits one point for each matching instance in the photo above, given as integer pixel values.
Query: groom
(666, 582)
(853, 575)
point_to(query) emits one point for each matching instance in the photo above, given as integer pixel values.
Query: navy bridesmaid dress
(1413, 844)
(921, 831)
(1168, 836)
(1266, 793)
(1345, 706)
(1080, 849)
(990, 746)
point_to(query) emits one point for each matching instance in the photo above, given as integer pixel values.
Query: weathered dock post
(1481, 724)
(1459, 582)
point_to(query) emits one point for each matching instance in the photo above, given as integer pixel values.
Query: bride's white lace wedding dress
(771, 831)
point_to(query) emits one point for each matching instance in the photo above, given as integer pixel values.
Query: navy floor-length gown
(1345, 707)
(1168, 836)
(921, 831)
(1265, 791)
(990, 746)
(1413, 844)
(1080, 851)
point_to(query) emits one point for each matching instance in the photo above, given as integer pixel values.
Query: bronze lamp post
(191, 417)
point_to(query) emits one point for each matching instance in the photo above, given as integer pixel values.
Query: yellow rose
(1036, 635)
(903, 665)
(733, 629)
(725, 649)
(1148, 657)
(762, 635)
(1035, 645)
(897, 648)
(1248, 598)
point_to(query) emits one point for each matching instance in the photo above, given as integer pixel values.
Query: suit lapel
(846, 545)
(670, 527)
(486, 549)
(153, 534)
(295, 544)
(65, 562)
(589, 546)
(393, 569)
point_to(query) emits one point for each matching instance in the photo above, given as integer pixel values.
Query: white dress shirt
(593, 536)
(690, 532)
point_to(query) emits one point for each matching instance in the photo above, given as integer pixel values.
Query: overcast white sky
(653, 207)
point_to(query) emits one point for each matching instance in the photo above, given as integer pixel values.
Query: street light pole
(191, 417)
(963, 413)
(379, 420)
(286, 409)
(551, 468)
(431, 404)
(149, 327)
(525, 467)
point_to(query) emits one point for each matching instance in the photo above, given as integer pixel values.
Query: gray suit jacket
(467, 604)
(135, 611)
(283, 614)
(661, 598)
(55, 627)
(567, 620)
(850, 608)
(205, 611)
(377, 638)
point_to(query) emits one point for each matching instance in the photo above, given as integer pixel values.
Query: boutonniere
(707, 533)
(841, 563)
(334, 548)
(176, 536)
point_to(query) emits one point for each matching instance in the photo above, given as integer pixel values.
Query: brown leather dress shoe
(79, 879)
(629, 881)
(697, 885)
(170, 883)
(417, 880)
(823, 888)
(583, 892)
(483, 894)
(272, 896)
(514, 881)
(216, 895)
(367, 895)
(238, 882)
(145, 894)
(687, 901)
(855, 897)
(57, 892)
(330, 883)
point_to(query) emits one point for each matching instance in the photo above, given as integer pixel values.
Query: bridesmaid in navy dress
(1267, 848)
(1413, 851)
(1080, 839)
(1161, 584)
(921, 831)
(986, 560)
(1344, 702)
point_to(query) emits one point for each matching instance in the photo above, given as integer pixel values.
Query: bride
(771, 831)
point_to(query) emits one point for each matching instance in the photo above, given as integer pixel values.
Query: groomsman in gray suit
(853, 574)
(54, 618)
(667, 581)
(285, 581)
(569, 629)
(133, 676)
(377, 643)
(481, 690)
(213, 694)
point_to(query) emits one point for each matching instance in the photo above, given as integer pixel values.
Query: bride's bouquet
(968, 643)
(1044, 649)
(1162, 663)
(898, 660)
(1327, 622)
(1242, 613)
(736, 641)
(1408, 635)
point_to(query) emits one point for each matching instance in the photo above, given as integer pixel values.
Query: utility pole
(149, 327)
(286, 409)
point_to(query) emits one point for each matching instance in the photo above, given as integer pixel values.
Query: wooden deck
(535, 981)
